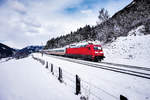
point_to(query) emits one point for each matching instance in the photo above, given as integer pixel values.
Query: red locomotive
(89, 51)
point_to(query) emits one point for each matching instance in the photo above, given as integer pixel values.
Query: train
(88, 52)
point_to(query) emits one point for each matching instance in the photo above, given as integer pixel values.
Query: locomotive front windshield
(97, 48)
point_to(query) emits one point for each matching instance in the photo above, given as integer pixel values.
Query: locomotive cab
(97, 53)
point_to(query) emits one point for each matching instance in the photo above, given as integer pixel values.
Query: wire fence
(87, 90)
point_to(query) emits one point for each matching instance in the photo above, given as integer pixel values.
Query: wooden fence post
(46, 65)
(43, 62)
(52, 69)
(78, 85)
(123, 97)
(60, 75)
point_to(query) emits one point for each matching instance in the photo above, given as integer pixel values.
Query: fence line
(80, 86)
(100, 89)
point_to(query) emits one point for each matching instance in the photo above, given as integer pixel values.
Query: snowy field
(26, 79)
(108, 85)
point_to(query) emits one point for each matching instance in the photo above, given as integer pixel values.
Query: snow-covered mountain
(6, 51)
(135, 14)
(27, 50)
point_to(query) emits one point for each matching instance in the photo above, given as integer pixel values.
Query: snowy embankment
(26, 79)
(131, 50)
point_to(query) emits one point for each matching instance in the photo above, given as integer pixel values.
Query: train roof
(83, 45)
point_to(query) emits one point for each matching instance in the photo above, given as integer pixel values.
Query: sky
(34, 22)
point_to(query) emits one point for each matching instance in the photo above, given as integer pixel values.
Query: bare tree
(103, 15)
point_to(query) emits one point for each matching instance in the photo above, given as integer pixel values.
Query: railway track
(127, 66)
(141, 72)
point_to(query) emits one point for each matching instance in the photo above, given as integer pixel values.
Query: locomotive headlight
(101, 52)
(98, 52)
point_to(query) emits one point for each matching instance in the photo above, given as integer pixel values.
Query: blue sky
(85, 4)
(33, 22)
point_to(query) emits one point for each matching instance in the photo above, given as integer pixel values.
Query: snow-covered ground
(102, 84)
(131, 50)
(26, 79)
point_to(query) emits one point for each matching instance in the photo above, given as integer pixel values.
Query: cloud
(33, 22)
(17, 6)
(87, 11)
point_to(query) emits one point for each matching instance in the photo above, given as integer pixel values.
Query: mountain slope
(135, 14)
(24, 52)
(131, 50)
(5, 51)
